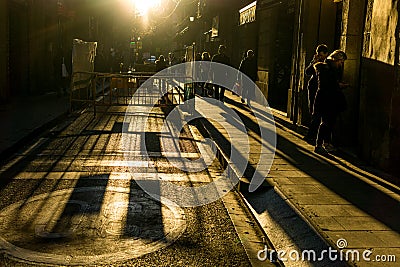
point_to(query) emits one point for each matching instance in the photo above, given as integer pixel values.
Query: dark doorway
(275, 43)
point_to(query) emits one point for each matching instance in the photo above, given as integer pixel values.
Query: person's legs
(163, 86)
(221, 93)
(322, 132)
(316, 115)
(246, 91)
(244, 94)
(328, 140)
(216, 92)
(313, 129)
(325, 131)
(203, 89)
(311, 98)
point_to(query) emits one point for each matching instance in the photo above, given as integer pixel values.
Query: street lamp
(191, 18)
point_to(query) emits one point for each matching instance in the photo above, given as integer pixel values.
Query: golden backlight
(142, 7)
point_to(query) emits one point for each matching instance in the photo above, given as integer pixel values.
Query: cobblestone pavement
(69, 199)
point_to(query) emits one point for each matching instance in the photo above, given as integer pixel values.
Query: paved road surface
(69, 198)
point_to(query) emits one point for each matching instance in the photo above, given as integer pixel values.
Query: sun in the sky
(142, 7)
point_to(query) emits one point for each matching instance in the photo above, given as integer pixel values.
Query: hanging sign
(248, 13)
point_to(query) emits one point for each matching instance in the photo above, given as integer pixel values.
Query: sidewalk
(309, 201)
(340, 203)
(25, 116)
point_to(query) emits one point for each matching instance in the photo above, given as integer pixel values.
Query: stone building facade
(368, 31)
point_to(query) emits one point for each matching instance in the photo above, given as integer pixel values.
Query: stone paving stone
(354, 223)
(328, 223)
(293, 173)
(319, 210)
(309, 199)
(369, 264)
(301, 188)
(282, 181)
(306, 180)
(364, 239)
(390, 238)
(280, 161)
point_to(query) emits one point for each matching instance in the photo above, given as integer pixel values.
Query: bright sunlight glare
(142, 7)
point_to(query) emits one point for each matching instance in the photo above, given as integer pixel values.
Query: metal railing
(105, 92)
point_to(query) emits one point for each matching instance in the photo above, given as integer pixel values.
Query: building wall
(275, 23)
(4, 52)
(315, 23)
(37, 35)
(37, 47)
(246, 31)
(351, 39)
(246, 38)
(227, 10)
(18, 64)
(31, 38)
(379, 124)
(378, 81)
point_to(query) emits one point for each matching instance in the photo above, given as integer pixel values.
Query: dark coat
(313, 82)
(221, 58)
(160, 65)
(249, 67)
(329, 98)
(312, 85)
(204, 70)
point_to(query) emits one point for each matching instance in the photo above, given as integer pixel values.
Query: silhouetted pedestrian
(205, 71)
(161, 63)
(172, 60)
(197, 69)
(223, 59)
(329, 99)
(248, 66)
(321, 52)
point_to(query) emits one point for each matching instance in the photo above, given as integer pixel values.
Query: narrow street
(69, 198)
(200, 133)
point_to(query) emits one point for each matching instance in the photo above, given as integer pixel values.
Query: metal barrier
(107, 92)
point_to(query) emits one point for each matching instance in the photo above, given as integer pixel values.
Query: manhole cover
(88, 225)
